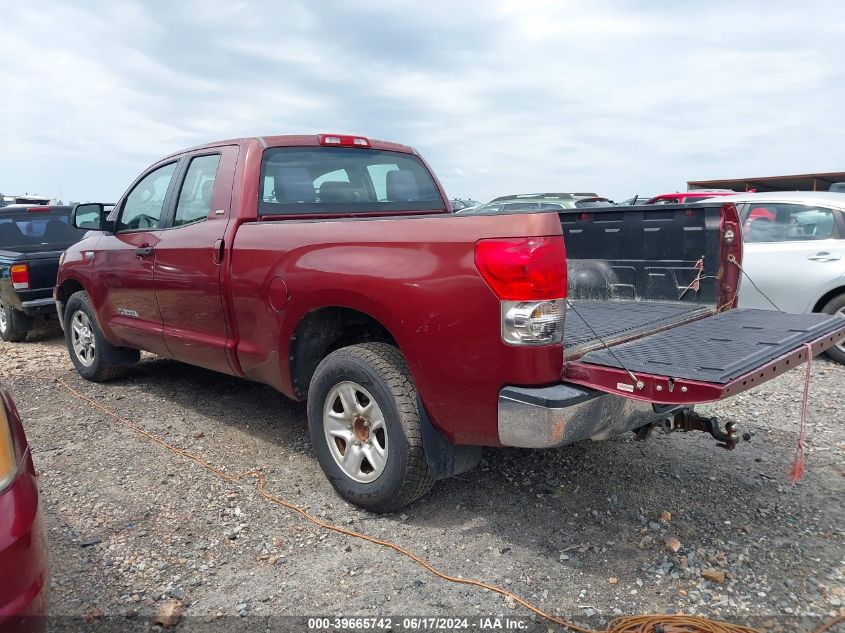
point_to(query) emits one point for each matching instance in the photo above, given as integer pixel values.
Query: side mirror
(91, 216)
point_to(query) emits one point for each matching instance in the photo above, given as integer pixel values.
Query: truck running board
(709, 359)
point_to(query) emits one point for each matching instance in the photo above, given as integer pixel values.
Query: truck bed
(631, 272)
(647, 282)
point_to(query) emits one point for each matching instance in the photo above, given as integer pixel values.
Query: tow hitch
(688, 420)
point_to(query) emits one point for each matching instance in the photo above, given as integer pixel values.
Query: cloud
(501, 97)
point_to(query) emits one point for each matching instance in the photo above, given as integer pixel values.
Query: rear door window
(776, 222)
(195, 197)
(343, 180)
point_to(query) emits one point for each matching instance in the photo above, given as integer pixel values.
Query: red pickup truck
(332, 268)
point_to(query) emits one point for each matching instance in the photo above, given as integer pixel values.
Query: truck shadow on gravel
(585, 506)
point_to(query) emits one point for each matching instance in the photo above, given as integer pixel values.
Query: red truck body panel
(448, 326)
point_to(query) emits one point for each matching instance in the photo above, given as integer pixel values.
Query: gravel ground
(584, 531)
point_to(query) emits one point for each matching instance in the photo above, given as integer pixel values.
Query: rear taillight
(528, 275)
(523, 268)
(533, 322)
(20, 276)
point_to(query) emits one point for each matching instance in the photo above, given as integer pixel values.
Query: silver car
(794, 251)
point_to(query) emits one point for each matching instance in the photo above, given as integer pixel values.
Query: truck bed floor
(614, 321)
(718, 348)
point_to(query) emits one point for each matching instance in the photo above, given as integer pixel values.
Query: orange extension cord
(627, 624)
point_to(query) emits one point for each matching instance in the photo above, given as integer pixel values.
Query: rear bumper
(23, 548)
(38, 307)
(31, 302)
(545, 417)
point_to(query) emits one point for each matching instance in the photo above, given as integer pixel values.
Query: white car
(794, 251)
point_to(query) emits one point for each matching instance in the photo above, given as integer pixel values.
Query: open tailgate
(707, 359)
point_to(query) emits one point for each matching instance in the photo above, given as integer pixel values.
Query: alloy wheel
(355, 431)
(82, 338)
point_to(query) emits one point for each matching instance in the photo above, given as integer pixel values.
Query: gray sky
(500, 97)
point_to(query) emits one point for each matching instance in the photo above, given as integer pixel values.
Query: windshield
(344, 180)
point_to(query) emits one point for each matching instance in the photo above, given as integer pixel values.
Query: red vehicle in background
(690, 196)
(23, 540)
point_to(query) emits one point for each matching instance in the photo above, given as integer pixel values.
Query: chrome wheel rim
(841, 344)
(355, 432)
(82, 338)
(4, 322)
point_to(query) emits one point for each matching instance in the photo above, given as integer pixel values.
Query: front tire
(834, 306)
(12, 324)
(92, 355)
(365, 427)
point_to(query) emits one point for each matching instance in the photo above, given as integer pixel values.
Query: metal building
(800, 182)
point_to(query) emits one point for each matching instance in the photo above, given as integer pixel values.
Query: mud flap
(444, 458)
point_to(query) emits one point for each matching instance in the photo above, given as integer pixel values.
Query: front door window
(144, 204)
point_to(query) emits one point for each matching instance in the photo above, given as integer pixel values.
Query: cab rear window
(344, 180)
(21, 230)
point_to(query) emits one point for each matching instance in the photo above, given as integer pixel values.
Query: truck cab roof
(304, 140)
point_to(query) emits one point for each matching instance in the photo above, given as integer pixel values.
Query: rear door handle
(217, 252)
(144, 251)
(824, 256)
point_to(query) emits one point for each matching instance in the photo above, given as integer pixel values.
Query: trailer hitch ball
(690, 421)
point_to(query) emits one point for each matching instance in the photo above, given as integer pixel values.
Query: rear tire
(365, 427)
(12, 324)
(92, 355)
(836, 305)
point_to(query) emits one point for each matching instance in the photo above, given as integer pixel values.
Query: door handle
(217, 252)
(144, 251)
(824, 256)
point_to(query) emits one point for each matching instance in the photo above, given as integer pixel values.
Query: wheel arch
(64, 291)
(322, 331)
(68, 287)
(830, 294)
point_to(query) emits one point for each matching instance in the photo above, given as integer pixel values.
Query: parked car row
(538, 202)
(586, 200)
(594, 199)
